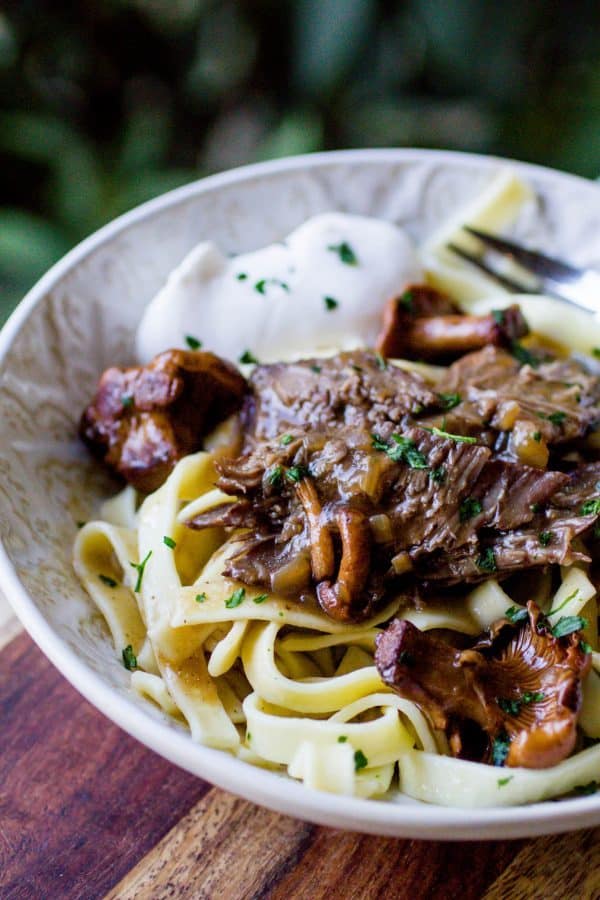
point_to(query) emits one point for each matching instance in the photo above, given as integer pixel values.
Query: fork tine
(541, 265)
(497, 276)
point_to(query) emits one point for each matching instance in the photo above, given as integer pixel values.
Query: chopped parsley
(503, 781)
(345, 253)
(193, 342)
(557, 417)
(568, 599)
(584, 790)
(381, 361)
(407, 301)
(80, 523)
(512, 706)
(500, 748)
(296, 473)
(523, 355)
(449, 401)
(169, 542)
(126, 399)
(261, 285)
(537, 436)
(585, 647)
(401, 449)
(274, 476)
(596, 352)
(236, 598)
(241, 276)
(286, 439)
(140, 570)
(567, 625)
(248, 358)
(108, 581)
(591, 507)
(516, 614)
(342, 739)
(129, 658)
(469, 508)
(260, 598)
(330, 303)
(200, 598)
(360, 760)
(459, 438)
(498, 316)
(486, 561)
(438, 476)
(316, 369)
(545, 538)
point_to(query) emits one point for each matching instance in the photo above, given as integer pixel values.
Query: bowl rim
(279, 793)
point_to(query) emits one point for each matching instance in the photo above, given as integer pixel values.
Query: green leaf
(567, 625)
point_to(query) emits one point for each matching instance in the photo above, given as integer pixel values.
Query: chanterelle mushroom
(512, 698)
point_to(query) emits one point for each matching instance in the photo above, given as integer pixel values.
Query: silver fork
(542, 274)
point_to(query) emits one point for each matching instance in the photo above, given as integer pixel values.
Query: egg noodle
(282, 685)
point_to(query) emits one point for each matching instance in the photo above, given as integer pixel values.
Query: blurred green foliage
(106, 103)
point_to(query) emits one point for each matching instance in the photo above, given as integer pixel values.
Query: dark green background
(106, 104)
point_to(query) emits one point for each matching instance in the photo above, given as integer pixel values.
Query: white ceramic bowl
(81, 317)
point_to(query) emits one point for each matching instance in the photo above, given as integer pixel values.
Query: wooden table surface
(87, 812)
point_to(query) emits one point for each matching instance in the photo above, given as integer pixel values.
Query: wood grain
(86, 812)
(226, 847)
(80, 801)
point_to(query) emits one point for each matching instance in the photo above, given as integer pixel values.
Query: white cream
(271, 302)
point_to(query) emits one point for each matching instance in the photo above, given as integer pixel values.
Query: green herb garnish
(459, 438)
(140, 570)
(567, 625)
(241, 276)
(274, 476)
(449, 401)
(193, 342)
(360, 761)
(469, 507)
(498, 316)
(557, 417)
(330, 303)
(127, 399)
(261, 598)
(545, 537)
(512, 706)
(584, 790)
(169, 542)
(236, 598)
(247, 358)
(108, 581)
(438, 475)
(407, 301)
(316, 369)
(345, 253)
(591, 507)
(200, 598)
(535, 507)
(486, 561)
(296, 473)
(585, 647)
(537, 436)
(568, 599)
(286, 439)
(342, 739)
(401, 449)
(129, 658)
(523, 356)
(500, 748)
(381, 362)
(503, 781)
(516, 614)
(261, 286)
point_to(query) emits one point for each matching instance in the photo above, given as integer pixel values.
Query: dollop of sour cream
(322, 288)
